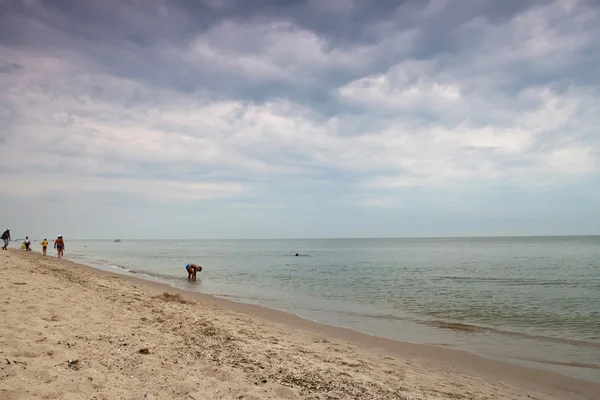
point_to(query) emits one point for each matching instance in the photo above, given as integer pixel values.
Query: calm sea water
(535, 301)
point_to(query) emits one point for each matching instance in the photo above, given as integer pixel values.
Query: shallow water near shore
(533, 301)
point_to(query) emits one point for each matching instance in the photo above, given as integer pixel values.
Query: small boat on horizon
(117, 241)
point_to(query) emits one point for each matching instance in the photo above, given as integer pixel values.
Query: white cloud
(63, 126)
(544, 39)
(381, 201)
(573, 160)
(34, 185)
(402, 87)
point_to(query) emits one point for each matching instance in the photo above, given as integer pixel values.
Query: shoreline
(417, 350)
(585, 369)
(442, 361)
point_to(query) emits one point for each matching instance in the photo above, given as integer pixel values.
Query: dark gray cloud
(158, 21)
(146, 40)
(10, 68)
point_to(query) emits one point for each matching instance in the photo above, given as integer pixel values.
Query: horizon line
(356, 238)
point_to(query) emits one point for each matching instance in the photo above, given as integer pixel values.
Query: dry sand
(70, 332)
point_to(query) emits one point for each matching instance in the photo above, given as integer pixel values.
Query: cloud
(380, 201)
(403, 86)
(10, 68)
(343, 100)
(168, 191)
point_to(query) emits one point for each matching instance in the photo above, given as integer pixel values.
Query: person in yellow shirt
(45, 245)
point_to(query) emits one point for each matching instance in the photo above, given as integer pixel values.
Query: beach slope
(68, 332)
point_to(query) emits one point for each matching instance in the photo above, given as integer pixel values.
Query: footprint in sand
(24, 354)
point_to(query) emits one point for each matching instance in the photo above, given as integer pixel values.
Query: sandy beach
(71, 332)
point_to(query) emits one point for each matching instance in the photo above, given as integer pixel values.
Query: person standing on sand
(27, 244)
(45, 245)
(59, 245)
(6, 238)
(192, 269)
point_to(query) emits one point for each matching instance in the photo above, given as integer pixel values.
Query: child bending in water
(192, 269)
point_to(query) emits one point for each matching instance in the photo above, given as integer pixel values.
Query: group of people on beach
(59, 244)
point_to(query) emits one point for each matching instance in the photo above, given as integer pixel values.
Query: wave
(469, 328)
(475, 329)
(154, 275)
(559, 363)
(512, 281)
(119, 267)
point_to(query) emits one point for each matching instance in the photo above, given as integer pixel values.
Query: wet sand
(72, 332)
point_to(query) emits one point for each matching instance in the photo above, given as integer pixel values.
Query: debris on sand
(75, 365)
(145, 350)
(209, 331)
(177, 298)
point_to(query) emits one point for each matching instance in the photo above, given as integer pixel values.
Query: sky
(299, 119)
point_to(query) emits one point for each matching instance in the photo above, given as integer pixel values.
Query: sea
(533, 301)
